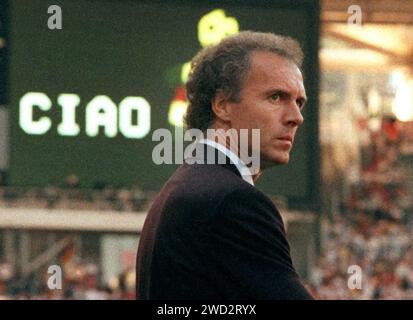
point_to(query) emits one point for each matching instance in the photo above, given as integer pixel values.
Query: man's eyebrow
(277, 90)
(285, 92)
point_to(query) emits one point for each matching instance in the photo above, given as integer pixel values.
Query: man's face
(272, 98)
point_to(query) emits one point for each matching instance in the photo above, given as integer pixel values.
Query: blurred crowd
(80, 281)
(70, 196)
(373, 228)
(381, 248)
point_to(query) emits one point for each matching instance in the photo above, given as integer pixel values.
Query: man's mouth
(286, 138)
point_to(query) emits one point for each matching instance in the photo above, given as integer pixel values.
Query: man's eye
(275, 97)
(300, 104)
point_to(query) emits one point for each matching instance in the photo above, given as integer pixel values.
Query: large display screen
(90, 81)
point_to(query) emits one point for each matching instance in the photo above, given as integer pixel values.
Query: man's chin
(281, 161)
(267, 162)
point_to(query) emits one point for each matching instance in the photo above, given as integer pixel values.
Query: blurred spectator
(72, 181)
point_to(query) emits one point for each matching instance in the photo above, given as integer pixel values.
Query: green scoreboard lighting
(85, 98)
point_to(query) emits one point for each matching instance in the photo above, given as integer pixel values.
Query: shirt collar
(241, 166)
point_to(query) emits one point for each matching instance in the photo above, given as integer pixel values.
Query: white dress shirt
(241, 166)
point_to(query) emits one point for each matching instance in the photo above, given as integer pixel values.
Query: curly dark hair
(224, 66)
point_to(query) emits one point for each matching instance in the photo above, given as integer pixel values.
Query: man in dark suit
(210, 234)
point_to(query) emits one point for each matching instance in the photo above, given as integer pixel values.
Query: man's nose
(294, 116)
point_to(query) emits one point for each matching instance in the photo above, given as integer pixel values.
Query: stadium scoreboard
(90, 81)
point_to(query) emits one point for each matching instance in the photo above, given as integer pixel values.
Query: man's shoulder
(206, 188)
(206, 183)
(249, 203)
(197, 191)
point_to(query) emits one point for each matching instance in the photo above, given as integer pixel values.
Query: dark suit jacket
(211, 235)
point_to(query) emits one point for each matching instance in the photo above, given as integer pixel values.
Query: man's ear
(221, 107)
